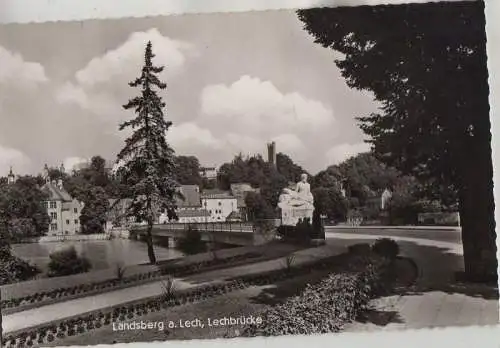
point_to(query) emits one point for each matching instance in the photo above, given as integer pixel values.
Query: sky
(235, 82)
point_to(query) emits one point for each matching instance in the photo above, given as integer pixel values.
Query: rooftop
(56, 192)
(193, 213)
(191, 197)
(216, 194)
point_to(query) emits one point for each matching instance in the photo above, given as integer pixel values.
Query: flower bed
(48, 297)
(324, 307)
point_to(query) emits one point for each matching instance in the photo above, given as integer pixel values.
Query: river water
(102, 254)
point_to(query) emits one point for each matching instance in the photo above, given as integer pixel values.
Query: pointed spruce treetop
(147, 160)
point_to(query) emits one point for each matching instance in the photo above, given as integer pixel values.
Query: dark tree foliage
(330, 202)
(258, 207)
(147, 160)
(426, 64)
(187, 170)
(22, 214)
(288, 168)
(95, 210)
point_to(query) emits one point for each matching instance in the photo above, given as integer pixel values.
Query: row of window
(53, 205)
(53, 216)
(216, 211)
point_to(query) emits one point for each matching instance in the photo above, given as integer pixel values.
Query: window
(66, 232)
(53, 215)
(46, 205)
(220, 203)
(53, 227)
(75, 210)
(67, 222)
(76, 221)
(53, 205)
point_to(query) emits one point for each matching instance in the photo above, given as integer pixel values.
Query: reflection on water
(101, 253)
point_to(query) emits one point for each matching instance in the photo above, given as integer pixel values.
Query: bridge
(233, 233)
(242, 234)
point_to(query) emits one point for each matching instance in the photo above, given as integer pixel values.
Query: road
(450, 235)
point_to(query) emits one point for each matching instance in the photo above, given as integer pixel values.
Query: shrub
(14, 269)
(50, 337)
(67, 262)
(360, 249)
(191, 243)
(168, 292)
(386, 247)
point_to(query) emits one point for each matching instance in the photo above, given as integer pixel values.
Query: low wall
(440, 219)
(119, 233)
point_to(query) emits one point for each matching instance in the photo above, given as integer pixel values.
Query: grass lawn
(245, 302)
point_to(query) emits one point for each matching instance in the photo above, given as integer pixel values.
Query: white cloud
(289, 142)
(15, 71)
(253, 105)
(127, 59)
(341, 152)
(71, 163)
(16, 159)
(102, 85)
(189, 135)
(70, 93)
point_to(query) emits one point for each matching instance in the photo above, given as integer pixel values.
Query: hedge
(323, 307)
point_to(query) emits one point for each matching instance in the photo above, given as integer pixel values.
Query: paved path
(436, 300)
(57, 311)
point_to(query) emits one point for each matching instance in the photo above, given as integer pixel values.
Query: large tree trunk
(149, 242)
(1, 329)
(477, 208)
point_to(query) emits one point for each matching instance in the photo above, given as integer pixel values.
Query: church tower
(46, 175)
(11, 178)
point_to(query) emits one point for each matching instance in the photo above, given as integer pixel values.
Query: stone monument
(296, 204)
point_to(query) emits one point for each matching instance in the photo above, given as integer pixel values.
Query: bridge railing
(212, 226)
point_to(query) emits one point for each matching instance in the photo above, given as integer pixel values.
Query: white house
(64, 211)
(189, 208)
(219, 204)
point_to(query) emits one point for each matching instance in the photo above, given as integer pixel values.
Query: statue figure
(385, 198)
(296, 204)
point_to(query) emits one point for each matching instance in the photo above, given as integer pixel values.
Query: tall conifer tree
(147, 161)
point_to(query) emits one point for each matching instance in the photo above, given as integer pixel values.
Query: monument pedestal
(290, 216)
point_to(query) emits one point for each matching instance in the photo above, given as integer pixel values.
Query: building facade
(209, 173)
(219, 204)
(64, 211)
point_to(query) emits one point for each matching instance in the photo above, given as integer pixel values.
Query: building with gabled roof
(64, 211)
